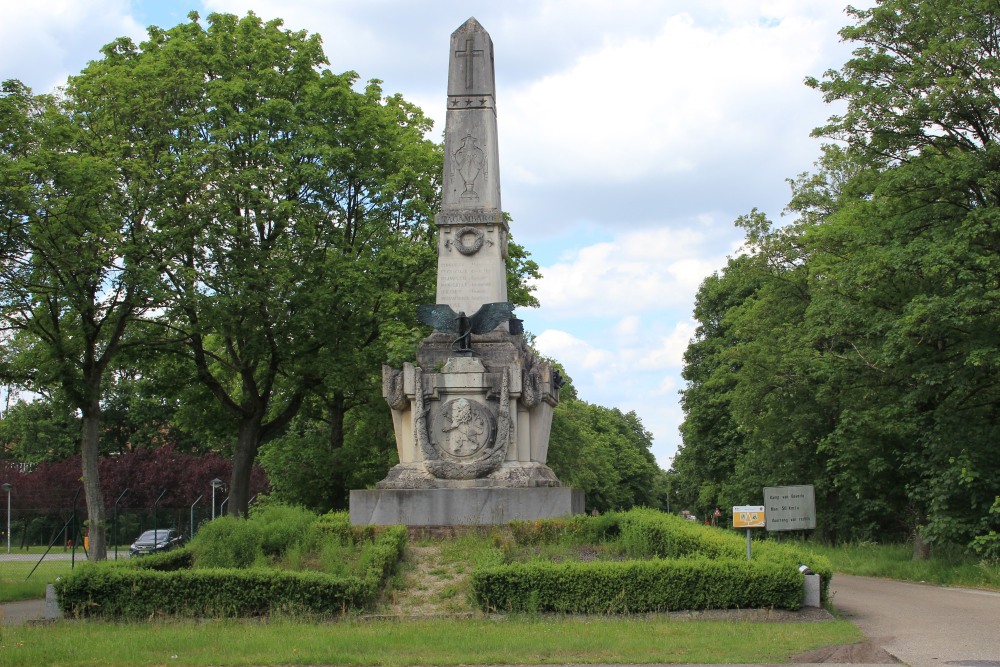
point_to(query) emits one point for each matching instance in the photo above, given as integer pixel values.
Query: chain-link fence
(61, 529)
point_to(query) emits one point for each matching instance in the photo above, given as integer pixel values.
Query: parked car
(155, 542)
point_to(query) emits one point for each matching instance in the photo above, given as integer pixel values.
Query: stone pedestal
(462, 507)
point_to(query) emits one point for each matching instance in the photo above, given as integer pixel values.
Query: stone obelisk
(472, 234)
(472, 417)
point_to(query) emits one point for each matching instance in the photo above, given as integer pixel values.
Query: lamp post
(216, 483)
(156, 533)
(197, 500)
(7, 487)
(115, 522)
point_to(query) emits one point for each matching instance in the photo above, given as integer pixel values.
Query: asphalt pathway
(921, 624)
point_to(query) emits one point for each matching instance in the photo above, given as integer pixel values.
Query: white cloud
(640, 373)
(639, 271)
(660, 105)
(41, 43)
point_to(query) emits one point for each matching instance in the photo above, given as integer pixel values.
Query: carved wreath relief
(468, 240)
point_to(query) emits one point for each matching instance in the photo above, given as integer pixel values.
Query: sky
(632, 135)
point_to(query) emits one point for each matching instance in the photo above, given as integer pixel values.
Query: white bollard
(52, 610)
(812, 591)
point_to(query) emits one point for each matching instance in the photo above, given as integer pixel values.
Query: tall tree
(301, 210)
(79, 251)
(880, 367)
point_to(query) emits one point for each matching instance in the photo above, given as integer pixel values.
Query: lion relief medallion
(463, 429)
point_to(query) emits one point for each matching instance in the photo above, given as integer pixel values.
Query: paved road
(923, 625)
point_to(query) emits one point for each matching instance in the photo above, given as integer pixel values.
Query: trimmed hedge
(676, 564)
(164, 584)
(636, 586)
(130, 593)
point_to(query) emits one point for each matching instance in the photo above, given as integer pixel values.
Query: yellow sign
(749, 516)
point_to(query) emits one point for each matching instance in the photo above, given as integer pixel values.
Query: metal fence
(62, 529)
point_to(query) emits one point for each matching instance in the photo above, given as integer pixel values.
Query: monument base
(462, 507)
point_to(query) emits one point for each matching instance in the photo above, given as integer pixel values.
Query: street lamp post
(197, 500)
(156, 532)
(7, 487)
(115, 522)
(216, 483)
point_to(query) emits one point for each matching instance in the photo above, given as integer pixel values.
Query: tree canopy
(212, 241)
(857, 347)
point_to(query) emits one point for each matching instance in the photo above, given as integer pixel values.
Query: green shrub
(178, 559)
(282, 526)
(676, 564)
(148, 587)
(124, 593)
(636, 586)
(228, 542)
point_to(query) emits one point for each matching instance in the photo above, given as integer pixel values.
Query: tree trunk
(921, 549)
(335, 413)
(90, 457)
(247, 443)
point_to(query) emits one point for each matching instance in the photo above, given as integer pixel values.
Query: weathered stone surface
(52, 610)
(472, 234)
(811, 586)
(462, 507)
(472, 416)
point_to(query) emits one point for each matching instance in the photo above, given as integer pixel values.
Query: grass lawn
(895, 561)
(429, 642)
(12, 574)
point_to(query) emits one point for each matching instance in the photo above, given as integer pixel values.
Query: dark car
(155, 542)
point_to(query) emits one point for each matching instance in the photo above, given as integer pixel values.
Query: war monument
(472, 417)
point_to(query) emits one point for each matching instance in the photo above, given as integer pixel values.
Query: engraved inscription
(467, 217)
(471, 284)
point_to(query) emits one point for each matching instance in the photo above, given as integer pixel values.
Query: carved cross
(468, 54)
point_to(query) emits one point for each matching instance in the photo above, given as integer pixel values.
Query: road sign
(790, 507)
(749, 516)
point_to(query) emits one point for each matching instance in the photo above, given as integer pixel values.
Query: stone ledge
(462, 507)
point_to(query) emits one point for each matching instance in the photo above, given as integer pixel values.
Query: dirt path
(431, 586)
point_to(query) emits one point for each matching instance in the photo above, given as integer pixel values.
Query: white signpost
(790, 507)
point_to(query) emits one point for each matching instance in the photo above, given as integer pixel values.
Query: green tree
(37, 431)
(79, 250)
(867, 355)
(604, 452)
(301, 208)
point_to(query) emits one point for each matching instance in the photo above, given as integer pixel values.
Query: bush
(169, 561)
(230, 543)
(129, 593)
(677, 564)
(636, 586)
(281, 526)
(155, 585)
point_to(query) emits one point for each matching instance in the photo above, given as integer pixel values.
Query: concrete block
(812, 591)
